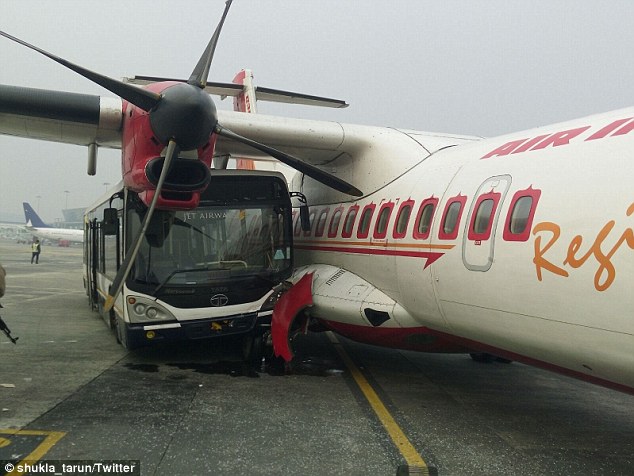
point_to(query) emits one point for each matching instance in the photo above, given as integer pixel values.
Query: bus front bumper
(139, 335)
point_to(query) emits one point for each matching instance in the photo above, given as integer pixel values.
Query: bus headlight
(141, 309)
(275, 295)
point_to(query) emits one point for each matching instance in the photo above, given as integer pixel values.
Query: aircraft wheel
(485, 358)
(482, 357)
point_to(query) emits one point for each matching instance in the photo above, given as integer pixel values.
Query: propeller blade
(201, 71)
(126, 266)
(142, 98)
(307, 169)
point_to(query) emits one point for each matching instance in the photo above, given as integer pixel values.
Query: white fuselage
(74, 236)
(546, 279)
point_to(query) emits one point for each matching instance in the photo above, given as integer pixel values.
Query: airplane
(37, 227)
(516, 246)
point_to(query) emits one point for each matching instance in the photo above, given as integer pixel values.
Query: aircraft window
(482, 219)
(298, 226)
(520, 218)
(364, 223)
(348, 225)
(311, 217)
(380, 229)
(402, 219)
(451, 218)
(321, 222)
(334, 222)
(422, 226)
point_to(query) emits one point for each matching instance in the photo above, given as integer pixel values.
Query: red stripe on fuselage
(431, 256)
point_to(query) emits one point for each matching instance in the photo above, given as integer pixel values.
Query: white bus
(200, 274)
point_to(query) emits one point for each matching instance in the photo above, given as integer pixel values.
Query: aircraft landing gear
(486, 358)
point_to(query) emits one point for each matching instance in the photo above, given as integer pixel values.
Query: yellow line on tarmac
(412, 457)
(52, 437)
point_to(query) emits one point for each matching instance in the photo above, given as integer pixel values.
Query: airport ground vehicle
(203, 273)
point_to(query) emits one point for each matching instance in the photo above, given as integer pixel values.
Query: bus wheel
(253, 348)
(119, 328)
(113, 320)
(247, 346)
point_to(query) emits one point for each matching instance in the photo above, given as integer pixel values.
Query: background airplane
(434, 302)
(37, 227)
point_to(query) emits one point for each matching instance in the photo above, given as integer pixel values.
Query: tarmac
(69, 393)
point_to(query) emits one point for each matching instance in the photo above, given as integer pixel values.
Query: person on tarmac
(36, 248)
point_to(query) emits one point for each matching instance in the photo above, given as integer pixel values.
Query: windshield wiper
(174, 273)
(271, 282)
(216, 266)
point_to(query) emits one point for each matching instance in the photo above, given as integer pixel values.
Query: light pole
(38, 202)
(66, 192)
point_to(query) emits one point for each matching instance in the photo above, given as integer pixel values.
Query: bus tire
(122, 337)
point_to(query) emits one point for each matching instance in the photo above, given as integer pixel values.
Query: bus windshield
(212, 243)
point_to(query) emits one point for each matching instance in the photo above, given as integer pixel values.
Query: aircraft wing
(57, 116)
(316, 142)
(85, 119)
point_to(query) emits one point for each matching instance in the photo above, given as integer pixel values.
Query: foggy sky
(463, 66)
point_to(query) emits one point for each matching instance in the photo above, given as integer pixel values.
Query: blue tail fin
(32, 218)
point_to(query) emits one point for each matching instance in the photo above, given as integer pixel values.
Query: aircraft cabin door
(478, 241)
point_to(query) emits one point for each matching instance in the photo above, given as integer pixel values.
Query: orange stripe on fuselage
(377, 249)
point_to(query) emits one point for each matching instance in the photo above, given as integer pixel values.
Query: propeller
(142, 98)
(324, 177)
(183, 117)
(126, 266)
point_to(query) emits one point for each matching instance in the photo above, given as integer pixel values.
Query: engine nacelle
(185, 175)
(142, 162)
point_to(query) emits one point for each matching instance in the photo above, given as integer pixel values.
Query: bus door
(92, 260)
(479, 234)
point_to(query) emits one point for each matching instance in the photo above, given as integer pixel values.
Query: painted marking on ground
(397, 435)
(46, 439)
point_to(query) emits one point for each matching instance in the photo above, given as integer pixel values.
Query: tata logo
(218, 300)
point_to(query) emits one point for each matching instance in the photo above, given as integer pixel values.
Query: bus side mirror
(304, 217)
(110, 223)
